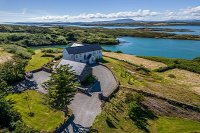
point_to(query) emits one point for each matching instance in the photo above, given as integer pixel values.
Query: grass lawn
(43, 119)
(37, 61)
(152, 82)
(174, 125)
(115, 119)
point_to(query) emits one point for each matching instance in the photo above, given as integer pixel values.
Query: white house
(83, 53)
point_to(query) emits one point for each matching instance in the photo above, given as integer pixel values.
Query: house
(83, 53)
(82, 70)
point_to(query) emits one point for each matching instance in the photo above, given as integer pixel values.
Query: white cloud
(187, 13)
(137, 14)
(40, 15)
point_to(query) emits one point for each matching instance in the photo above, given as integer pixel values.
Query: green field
(151, 81)
(189, 65)
(44, 119)
(37, 61)
(174, 125)
(115, 119)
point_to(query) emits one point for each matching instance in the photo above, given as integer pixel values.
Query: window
(76, 55)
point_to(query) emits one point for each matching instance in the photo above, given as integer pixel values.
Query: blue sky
(93, 10)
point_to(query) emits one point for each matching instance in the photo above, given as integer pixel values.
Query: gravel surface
(85, 108)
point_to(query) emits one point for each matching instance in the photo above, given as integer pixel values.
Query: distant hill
(117, 21)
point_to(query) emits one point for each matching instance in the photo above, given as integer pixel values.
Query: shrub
(104, 50)
(171, 76)
(18, 51)
(48, 55)
(110, 123)
(58, 57)
(197, 59)
(118, 51)
(89, 80)
(163, 69)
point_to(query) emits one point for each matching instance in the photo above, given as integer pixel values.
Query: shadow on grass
(140, 116)
(110, 123)
(104, 61)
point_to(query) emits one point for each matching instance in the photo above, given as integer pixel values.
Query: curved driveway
(86, 108)
(106, 78)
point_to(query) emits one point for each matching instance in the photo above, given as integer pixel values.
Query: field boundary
(171, 101)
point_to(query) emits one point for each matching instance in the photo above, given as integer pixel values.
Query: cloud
(40, 15)
(187, 13)
(137, 14)
(21, 15)
(194, 11)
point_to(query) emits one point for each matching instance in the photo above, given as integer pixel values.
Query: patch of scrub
(190, 79)
(4, 56)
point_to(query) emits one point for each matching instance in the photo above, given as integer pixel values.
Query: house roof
(76, 44)
(77, 67)
(83, 49)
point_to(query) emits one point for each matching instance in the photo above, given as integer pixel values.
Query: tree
(12, 71)
(71, 37)
(4, 88)
(61, 88)
(8, 116)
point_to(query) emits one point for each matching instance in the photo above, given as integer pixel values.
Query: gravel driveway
(106, 78)
(40, 77)
(85, 108)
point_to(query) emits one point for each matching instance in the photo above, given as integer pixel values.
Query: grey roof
(83, 49)
(77, 67)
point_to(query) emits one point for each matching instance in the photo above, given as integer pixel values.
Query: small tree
(61, 88)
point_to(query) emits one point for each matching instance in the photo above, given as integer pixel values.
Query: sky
(97, 10)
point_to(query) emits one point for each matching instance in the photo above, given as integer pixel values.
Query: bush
(171, 76)
(197, 59)
(58, 57)
(104, 50)
(31, 114)
(48, 55)
(118, 51)
(10, 77)
(20, 127)
(8, 116)
(90, 79)
(163, 69)
(110, 123)
(18, 51)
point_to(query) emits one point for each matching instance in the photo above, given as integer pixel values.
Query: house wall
(82, 57)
